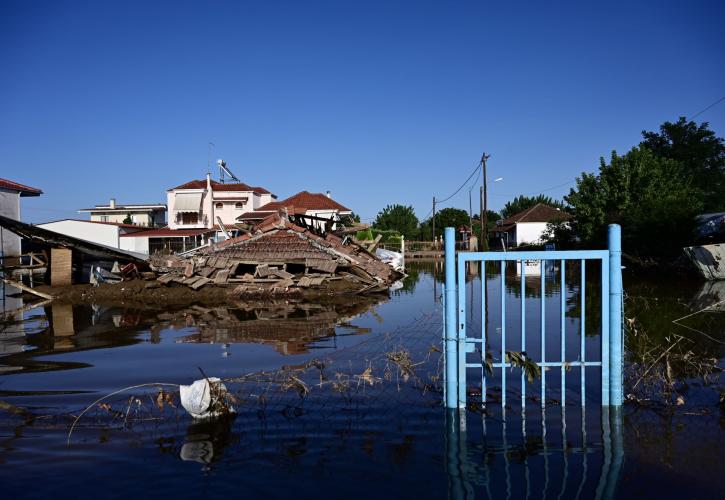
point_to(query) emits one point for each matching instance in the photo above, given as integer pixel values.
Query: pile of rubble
(279, 257)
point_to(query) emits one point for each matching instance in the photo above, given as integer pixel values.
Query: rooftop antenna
(208, 157)
(223, 169)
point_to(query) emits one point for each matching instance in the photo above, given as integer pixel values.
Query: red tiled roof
(537, 213)
(218, 186)
(306, 200)
(22, 188)
(166, 232)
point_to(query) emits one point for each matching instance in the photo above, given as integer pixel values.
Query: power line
(705, 109)
(478, 165)
(540, 191)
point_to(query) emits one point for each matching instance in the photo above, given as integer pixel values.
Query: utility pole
(434, 219)
(484, 207)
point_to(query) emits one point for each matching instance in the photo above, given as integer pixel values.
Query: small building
(10, 194)
(202, 204)
(314, 209)
(102, 233)
(145, 215)
(528, 226)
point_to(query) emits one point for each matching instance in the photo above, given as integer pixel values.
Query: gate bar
(450, 332)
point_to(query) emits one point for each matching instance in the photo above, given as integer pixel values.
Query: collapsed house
(280, 257)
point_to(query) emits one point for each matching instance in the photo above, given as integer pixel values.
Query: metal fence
(458, 343)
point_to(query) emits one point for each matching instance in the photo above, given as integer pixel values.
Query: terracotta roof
(537, 213)
(218, 186)
(306, 200)
(166, 232)
(22, 188)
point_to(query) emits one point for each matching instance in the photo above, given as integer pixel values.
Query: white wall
(103, 234)
(137, 244)
(10, 207)
(529, 232)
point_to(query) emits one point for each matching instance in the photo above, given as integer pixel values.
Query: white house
(201, 204)
(528, 226)
(103, 233)
(148, 215)
(314, 208)
(10, 194)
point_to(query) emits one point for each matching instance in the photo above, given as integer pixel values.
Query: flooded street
(344, 400)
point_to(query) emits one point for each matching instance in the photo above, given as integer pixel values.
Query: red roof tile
(308, 201)
(537, 213)
(166, 232)
(22, 188)
(218, 186)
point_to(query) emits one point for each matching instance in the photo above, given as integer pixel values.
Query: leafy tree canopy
(128, 219)
(701, 153)
(644, 193)
(447, 217)
(398, 218)
(521, 203)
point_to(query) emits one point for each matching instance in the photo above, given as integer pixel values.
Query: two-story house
(205, 203)
(145, 215)
(10, 194)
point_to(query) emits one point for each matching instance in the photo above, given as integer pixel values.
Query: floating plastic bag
(393, 259)
(206, 398)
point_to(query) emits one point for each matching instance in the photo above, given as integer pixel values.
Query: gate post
(616, 332)
(451, 355)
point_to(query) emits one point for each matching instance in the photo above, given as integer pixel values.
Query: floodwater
(365, 419)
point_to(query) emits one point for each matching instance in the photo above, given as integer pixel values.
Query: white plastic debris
(393, 259)
(206, 398)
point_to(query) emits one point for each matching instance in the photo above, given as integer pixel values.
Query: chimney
(329, 194)
(112, 204)
(208, 181)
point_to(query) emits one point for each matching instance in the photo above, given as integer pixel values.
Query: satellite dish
(221, 163)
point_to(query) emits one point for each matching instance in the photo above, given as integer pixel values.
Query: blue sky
(379, 102)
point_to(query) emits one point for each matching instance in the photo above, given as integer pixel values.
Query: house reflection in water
(289, 328)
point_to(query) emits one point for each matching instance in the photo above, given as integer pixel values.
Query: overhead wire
(706, 108)
(478, 167)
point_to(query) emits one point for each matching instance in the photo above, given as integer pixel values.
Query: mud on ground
(152, 295)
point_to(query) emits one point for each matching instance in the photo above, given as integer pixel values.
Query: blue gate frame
(457, 344)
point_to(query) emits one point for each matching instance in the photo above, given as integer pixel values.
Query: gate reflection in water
(548, 456)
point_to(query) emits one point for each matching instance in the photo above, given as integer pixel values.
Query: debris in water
(206, 398)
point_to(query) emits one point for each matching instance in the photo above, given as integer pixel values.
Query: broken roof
(219, 186)
(21, 188)
(308, 201)
(279, 240)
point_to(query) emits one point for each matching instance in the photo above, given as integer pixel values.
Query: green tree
(701, 153)
(398, 218)
(128, 219)
(448, 217)
(521, 203)
(644, 193)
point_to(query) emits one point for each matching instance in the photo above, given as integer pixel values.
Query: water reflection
(491, 458)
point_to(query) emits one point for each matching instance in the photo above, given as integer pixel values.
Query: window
(104, 218)
(239, 205)
(189, 218)
(219, 206)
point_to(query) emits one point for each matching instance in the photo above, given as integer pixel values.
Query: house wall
(137, 244)
(529, 232)
(229, 213)
(138, 218)
(324, 214)
(103, 234)
(205, 212)
(9, 207)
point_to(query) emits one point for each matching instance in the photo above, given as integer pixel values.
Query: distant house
(147, 215)
(202, 204)
(102, 233)
(10, 194)
(528, 226)
(314, 208)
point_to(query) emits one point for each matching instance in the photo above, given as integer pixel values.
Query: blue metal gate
(458, 343)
